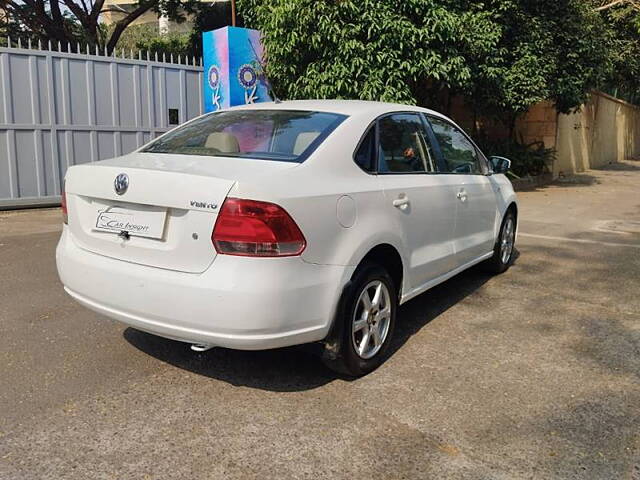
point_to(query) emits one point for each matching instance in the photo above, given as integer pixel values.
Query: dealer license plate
(145, 222)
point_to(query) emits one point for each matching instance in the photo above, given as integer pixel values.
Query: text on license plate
(139, 222)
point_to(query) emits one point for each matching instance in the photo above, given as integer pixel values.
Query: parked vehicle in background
(285, 223)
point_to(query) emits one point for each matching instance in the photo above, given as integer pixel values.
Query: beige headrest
(223, 142)
(303, 141)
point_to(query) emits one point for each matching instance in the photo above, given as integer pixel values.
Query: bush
(171, 44)
(147, 38)
(526, 159)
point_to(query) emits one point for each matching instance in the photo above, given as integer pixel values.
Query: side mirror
(500, 164)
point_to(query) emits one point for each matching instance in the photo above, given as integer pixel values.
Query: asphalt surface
(532, 374)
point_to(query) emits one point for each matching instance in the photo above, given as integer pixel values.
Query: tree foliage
(503, 55)
(548, 50)
(186, 43)
(73, 21)
(147, 38)
(623, 21)
(369, 49)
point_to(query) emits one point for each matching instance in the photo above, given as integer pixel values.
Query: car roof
(344, 107)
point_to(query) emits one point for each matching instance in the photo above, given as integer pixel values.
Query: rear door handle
(401, 202)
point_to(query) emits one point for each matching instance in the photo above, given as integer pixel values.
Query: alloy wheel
(371, 319)
(507, 240)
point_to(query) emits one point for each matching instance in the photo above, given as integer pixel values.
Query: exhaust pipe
(199, 347)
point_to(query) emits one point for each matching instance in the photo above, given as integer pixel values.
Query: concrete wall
(605, 130)
(539, 124)
(575, 141)
(616, 130)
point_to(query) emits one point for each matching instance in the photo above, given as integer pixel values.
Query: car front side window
(404, 147)
(459, 154)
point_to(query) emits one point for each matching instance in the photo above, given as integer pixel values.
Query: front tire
(368, 320)
(505, 246)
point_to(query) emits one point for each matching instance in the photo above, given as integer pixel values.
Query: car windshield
(280, 135)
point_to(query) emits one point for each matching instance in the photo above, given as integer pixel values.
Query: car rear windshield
(279, 135)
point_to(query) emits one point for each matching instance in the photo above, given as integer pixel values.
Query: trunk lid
(168, 210)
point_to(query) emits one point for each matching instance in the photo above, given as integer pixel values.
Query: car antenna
(264, 74)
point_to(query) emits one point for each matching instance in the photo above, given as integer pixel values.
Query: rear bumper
(240, 303)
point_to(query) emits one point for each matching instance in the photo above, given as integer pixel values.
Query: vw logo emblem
(121, 183)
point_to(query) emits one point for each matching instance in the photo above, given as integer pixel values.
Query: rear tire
(367, 319)
(505, 246)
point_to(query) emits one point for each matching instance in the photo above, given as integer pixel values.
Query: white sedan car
(285, 223)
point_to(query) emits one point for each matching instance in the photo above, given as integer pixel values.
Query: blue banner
(233, 72)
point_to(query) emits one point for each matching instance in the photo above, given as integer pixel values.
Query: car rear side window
(279, 135)
(365, 155)
(404, 147)
(459, 154)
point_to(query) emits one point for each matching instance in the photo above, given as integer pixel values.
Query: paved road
(533, 374)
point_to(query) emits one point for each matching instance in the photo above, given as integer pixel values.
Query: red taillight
(63, 206)
(256, 229)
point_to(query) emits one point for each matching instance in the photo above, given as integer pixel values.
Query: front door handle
(462, 195)
(401, 202)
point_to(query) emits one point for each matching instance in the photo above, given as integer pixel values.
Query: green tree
(369, 49)
(186, 43)
(73, 21)
(623, 23)
(548, 50)
(504, 55)
(147, 38)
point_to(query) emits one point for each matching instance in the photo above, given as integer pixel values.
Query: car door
(417, 201)
(476, 206)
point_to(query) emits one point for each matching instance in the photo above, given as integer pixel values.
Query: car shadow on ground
(420, 311)
(300, 368)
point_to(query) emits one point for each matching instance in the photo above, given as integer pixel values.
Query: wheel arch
(388, 257)
(512, 207)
